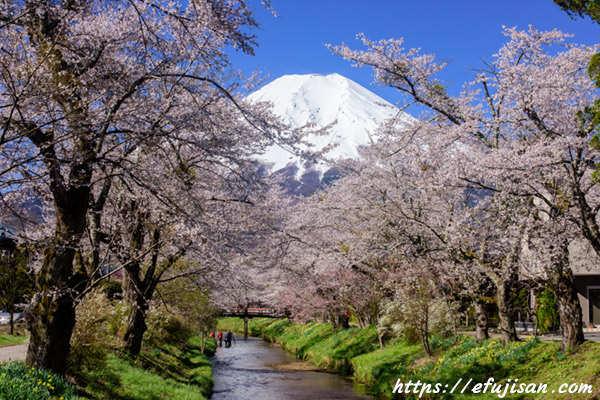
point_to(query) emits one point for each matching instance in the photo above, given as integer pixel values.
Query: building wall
(582, 282)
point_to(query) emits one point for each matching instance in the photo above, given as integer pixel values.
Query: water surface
(244, 372)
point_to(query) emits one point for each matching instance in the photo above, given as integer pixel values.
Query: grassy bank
(11, 340)
(166, 372)
(234, 324)
(355, 352)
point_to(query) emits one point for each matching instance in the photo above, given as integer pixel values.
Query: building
(585, 264)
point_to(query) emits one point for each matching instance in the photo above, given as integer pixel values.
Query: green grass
(19, 382)
(10, 340)
(319, 343)
(165, 372)
(356, 352)
(528, 361)
(383, 366)
(234, 324)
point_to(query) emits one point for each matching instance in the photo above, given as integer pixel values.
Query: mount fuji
(321, 100)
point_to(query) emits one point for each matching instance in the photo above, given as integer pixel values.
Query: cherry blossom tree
(201, 216)
(526, 134)
(90, 85)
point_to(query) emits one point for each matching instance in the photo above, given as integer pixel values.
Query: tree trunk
(362, 321)
(380, 336)
(332, 319)
(51, 315)
(136, 325)
(570, 314)
(507, 325)
(135, 288)
(12, 322)
(481, 321)
(425, 344)
(135, 293)
(569, 309)
(139, 292)
(50, 330)
(424, 336)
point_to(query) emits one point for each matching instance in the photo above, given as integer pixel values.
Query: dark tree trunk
(570, 314)
(382, 340)
(507, 325)
(481, 321)
(424, 334)
(135, 293)
(51, 315)
(134, 287)
(569, 309)
(12, 322)
(425, 344)
(50, 330)
(136, 325)
(139, 286)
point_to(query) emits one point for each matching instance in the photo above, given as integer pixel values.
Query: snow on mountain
(322, 100)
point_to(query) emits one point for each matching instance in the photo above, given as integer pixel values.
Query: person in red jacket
(220, 337)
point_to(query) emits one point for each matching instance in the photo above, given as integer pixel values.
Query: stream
(244, 372)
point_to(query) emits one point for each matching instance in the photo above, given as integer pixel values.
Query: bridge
(251, 312)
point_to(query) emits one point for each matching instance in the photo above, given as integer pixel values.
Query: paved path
(13, 353)
(592, 336)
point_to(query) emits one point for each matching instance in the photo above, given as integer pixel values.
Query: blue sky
(463, 32)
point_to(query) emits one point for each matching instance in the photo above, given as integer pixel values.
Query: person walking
(228, 339)
(220, 338)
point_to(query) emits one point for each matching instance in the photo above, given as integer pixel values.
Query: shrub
(192, 303)
(88, 343)
(165, 328)
(112, 288)
(416, 312)
(547, 311)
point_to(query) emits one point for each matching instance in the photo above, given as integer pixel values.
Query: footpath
(13, 353)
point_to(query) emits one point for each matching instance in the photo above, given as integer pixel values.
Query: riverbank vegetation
(173, 358)
(172, 362)
(356, 352)
(164, 371)
(179, 371)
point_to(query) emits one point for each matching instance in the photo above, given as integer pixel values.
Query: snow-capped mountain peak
(323, 100)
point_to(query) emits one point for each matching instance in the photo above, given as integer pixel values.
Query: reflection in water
(243, 372)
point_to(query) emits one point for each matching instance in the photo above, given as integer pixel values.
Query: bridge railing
(252, 312)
